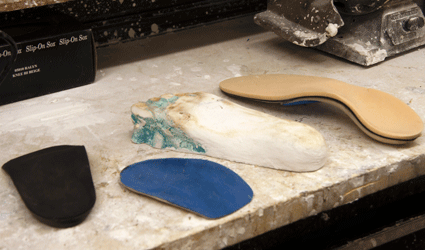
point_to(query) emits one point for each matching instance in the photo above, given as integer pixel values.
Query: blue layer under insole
(298, 103)
(203, 187)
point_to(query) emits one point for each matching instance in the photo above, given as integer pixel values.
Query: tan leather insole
(380, 115)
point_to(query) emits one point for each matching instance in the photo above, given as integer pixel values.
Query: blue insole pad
(200, 186)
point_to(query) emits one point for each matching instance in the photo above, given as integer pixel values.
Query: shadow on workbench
(393, 218)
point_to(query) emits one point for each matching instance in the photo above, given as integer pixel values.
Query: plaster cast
(207, 124)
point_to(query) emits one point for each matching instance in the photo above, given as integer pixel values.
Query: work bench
(98, 116)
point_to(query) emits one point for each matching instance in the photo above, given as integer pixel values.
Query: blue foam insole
(204, 187)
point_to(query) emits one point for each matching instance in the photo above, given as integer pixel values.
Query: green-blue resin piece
(159, 131)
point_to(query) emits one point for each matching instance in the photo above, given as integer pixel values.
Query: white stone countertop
(12, 5)
(98, 117)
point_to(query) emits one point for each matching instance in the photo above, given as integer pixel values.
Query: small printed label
(27, 70)
(6, 53)
(73, 39)
(40, 46)
(31, 48)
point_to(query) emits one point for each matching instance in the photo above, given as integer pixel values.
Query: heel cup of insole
(55, 184)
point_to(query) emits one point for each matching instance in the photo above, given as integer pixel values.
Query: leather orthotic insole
(55, 184)
(378, 114)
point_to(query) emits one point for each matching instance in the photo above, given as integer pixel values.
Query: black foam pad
(55, 184)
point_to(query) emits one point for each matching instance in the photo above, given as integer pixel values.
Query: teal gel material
(159, 131)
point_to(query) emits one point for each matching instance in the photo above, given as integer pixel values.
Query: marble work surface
(12, 5)
(98, 116)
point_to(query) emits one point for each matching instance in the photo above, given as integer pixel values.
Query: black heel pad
(55, 184)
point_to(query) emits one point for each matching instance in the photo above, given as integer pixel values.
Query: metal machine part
(306, 23)
(358, 7)
(369, 30)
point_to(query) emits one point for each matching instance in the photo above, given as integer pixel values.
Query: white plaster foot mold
(203, 123)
